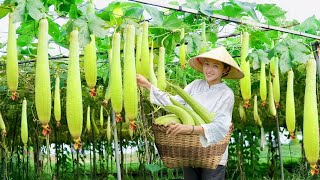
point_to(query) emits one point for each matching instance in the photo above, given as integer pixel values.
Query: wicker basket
(185, 150)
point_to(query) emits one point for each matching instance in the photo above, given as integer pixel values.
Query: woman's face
(213, 70)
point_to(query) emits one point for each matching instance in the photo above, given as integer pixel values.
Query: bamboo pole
(279, 148)
(4, 159)
(143, 116)
(116, 145)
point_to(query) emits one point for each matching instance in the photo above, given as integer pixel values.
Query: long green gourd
(310, 117)
(42, 81)
(74, 91)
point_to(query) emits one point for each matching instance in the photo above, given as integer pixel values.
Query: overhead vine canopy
(63, 15)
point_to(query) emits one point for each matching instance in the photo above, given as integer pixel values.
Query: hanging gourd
(74, 91)
(153, 78)
(12, 59)
(116, 91)
(42, 82)
(310, 117)
(245, 82)
(182, 50)
(290, 109)
(57, 103)
(161, 69)
(90, 65)
(263, 84)
(145, 63)
(130, 88)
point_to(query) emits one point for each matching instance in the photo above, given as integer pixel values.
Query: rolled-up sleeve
(219, 127)
(162, 98)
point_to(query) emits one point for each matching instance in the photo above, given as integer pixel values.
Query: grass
(291, 154)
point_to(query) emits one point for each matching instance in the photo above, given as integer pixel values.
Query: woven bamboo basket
(185, 150)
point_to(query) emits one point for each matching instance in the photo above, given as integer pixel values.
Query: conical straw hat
(219, 54)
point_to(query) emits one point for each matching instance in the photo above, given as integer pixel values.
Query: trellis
(230, 19)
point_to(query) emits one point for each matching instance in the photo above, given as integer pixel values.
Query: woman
(212, 94)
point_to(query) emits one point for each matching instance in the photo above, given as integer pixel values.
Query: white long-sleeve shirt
(218, 99)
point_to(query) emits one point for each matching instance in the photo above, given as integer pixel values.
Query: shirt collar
(213, 86)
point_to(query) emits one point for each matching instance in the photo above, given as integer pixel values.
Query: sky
(296, 9)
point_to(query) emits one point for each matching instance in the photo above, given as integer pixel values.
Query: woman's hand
(143, 82)
(176, 128)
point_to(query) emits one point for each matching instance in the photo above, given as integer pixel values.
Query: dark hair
(226, 66)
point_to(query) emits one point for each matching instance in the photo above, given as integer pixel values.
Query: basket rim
(164, 128)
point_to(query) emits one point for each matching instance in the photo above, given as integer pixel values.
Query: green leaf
(263, 56)
(295, 45)
(103, 73)
(63, 8)
(229, 9)
(94, 24)
(206, 9)
(310, 25)
(18, 13)
(171, 42)
(298, 51)
(290, 51)
(78, 1)
(262, 39)
(29, 51)
(2, 45)
(73, 12)
(54, 30)
(155, 14)
(113, 14)
(104, 44)
(153, 167)
(97, 26)
(255, 60)
(106, 13)
(248, 8)
(24, 40)
(7, 2)
(238, 9)
(285, 62)
(298, 57)
(172, 22)
(212, 37)
(84, 34)
(35, 9)
(194, 43)
(4, 11)
(28, 28)
(257, 57)
(271, 12)
(133, 10)
(212, 34)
